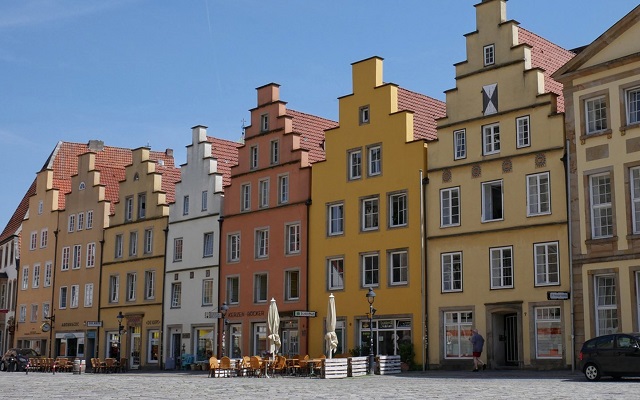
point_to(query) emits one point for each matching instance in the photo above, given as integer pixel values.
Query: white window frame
(44, 238)
(148, 241)
(457, 331)
(90, 219)
(451, 269)
(546, 263)
(142, 205)
(119, 244)
(488, 200)
(450, 207)
(185, 205)
(114, 288)
(77, 256)
(538, 194)
(233, 243)
(207, 292)
(132, 286)
(88, 294)
(355, 164)
(23, 313)
(335, 273)
(398, 265)
(489, 54)
(133, 243)
(595, 114)
(275, 151)
(204, 200)
(62, 300)
(48, 271)
(75, 296)
(245, 197)
(634, 181)
(502, 267)
(66, 256)
(491, 139)
(264, 122)
(260, 287)
(460, 144)
(370, 211)
(601, 206)
(207, 245)
(335, 222)
(233, 289)
(292, 240)
(606, 304)
(176, 295)
(263, 193)
(72, 223)
(35, 283)
(34, 312)
(34, 240)
(128, 208)
(25, 277)
(370, 265)
(292, 285)
(253, 154)
(374, 158)
(632, 105)
(398, 209)
(523, 132)
(149, 284)
(364, 115)
(80, 221)
(178, 248)
(283, 189)
(547, 321)
(262, 243)
(91, 255)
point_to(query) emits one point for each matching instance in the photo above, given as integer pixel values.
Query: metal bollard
(76, 366)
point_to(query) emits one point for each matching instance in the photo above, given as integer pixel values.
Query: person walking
(477, 343)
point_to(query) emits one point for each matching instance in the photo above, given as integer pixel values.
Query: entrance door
(175, 350)
(290, 343)
(511, 339)
(134, 360)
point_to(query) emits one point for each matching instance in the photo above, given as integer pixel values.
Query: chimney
(96, 145)
(169, 152)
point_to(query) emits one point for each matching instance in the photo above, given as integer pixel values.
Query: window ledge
(633, 236)
(611, 239)
(624, 128)
(607, 132)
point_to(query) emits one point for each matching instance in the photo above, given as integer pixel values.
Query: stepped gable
(311, 129)
(426, 110)
(226, 152)
(549, 57)
(18, 215)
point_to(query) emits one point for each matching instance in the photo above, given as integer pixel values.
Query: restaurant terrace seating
(214, 365)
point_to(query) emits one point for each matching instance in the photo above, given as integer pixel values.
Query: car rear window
(605, 342)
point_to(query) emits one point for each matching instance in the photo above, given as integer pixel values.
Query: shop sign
(557, 295)
(304, 314)
(93, 324)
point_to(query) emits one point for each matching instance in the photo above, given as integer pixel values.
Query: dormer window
(489, 55)
(264, 122)
(364, 115)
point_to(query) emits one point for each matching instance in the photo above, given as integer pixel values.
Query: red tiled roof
(425, 112)
(226, 152)
(311, 130)
(18, 215)
(549, 57)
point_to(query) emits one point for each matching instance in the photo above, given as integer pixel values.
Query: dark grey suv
(615, 355)
(17, 359)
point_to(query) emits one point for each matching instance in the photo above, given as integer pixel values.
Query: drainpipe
(423, 274)
(164, 277)
(97, 352)
(567, 160)
(306, 291)
(53, 281)
(220, 300)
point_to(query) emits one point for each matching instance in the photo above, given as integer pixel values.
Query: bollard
(83, 366)
(76, 366)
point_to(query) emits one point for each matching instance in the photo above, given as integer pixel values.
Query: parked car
(17, 359)
(614, 355)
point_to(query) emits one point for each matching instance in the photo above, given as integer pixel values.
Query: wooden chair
(213, 367)
(317, 368)
(225, 366)
(110, 365)
(96, 365)
(243, 367)
(255, 367)
(280, 367)
(303, 366)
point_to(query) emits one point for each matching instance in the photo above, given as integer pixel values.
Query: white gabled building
(193, 248)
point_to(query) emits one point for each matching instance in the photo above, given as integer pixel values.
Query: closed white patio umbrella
(330, 338)
(273, 323)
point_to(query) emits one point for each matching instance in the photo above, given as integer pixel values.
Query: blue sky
(143, 72)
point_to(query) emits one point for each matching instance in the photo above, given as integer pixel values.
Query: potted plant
(405, 350)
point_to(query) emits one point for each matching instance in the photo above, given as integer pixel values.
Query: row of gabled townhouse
(454, 213)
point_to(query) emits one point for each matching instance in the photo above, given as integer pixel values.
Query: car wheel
(3, 367)
(592, 372)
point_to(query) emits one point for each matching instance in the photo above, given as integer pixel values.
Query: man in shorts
(477, 342)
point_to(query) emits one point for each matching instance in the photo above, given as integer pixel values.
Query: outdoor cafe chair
(280, 367)
(225, 366)
(214, 365)
(256, 366)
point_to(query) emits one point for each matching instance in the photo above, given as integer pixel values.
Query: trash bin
(83, 366)
(76, 366)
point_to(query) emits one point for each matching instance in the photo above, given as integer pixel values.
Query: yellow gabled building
(497, 241)
(366, 217)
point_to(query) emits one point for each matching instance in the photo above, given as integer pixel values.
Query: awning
(70, 335)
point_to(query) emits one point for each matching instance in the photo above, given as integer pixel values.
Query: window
(450, 207)
(25, 277)
(635, 198)
(89, 219)
(490, 99)
(336, 219)
(457, 331)
(177, 249)
(208, 245)
(132, 279)
(283, 189)
(632, 97)
(185, 205)
(336, 273)
(398, 267)
(233, 289)
(72, 223)
(36, 276)
(148, 241)
(254, 157)
(491, 139)
(91, 255)
(40, 207)
(546, 260)
(75, 294)
(66, 254)
(119, 245)
(275, 152)
(293, 239)
(34, 313)
(233, 243)
(128, 208)
(88, 295)
(77, 256)
(375, 160)
(262, 243)
(292, 282)
(133, 243)
(601, 206)
(34, 241)
(176, 295)
(63, 298)
(491, 201)
(398, 209)
(501, 268)
(149, 285)
(548, 332)
(205, 200)
(460, 144)
(45, 310)
(538, 196)
(23, 313)
(451, 264)
(489, 54)
(370, 270)
(264, 122)
(153, 346)
(369, 214)
(142, 205)
(260, 288)
(355, 164)
(263, 186)
(363, 113)
(44, 238)
(606, 304)
(207, 292)
(3, 296)
(246, 197)
(47, 274)
(522, 132)
(596, 115)
(80, 221)
(114, 288)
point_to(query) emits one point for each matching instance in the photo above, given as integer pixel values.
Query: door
(290, 343)
(175, 350)
(511, 339)
(134, 359)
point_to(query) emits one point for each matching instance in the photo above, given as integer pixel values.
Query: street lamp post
(371, 296)
(223, 311)
(120, 317)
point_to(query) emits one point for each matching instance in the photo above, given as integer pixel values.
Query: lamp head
(223, 309)
(371, 296)
(120, 317)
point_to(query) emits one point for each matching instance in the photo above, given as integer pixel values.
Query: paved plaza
(432, 384)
